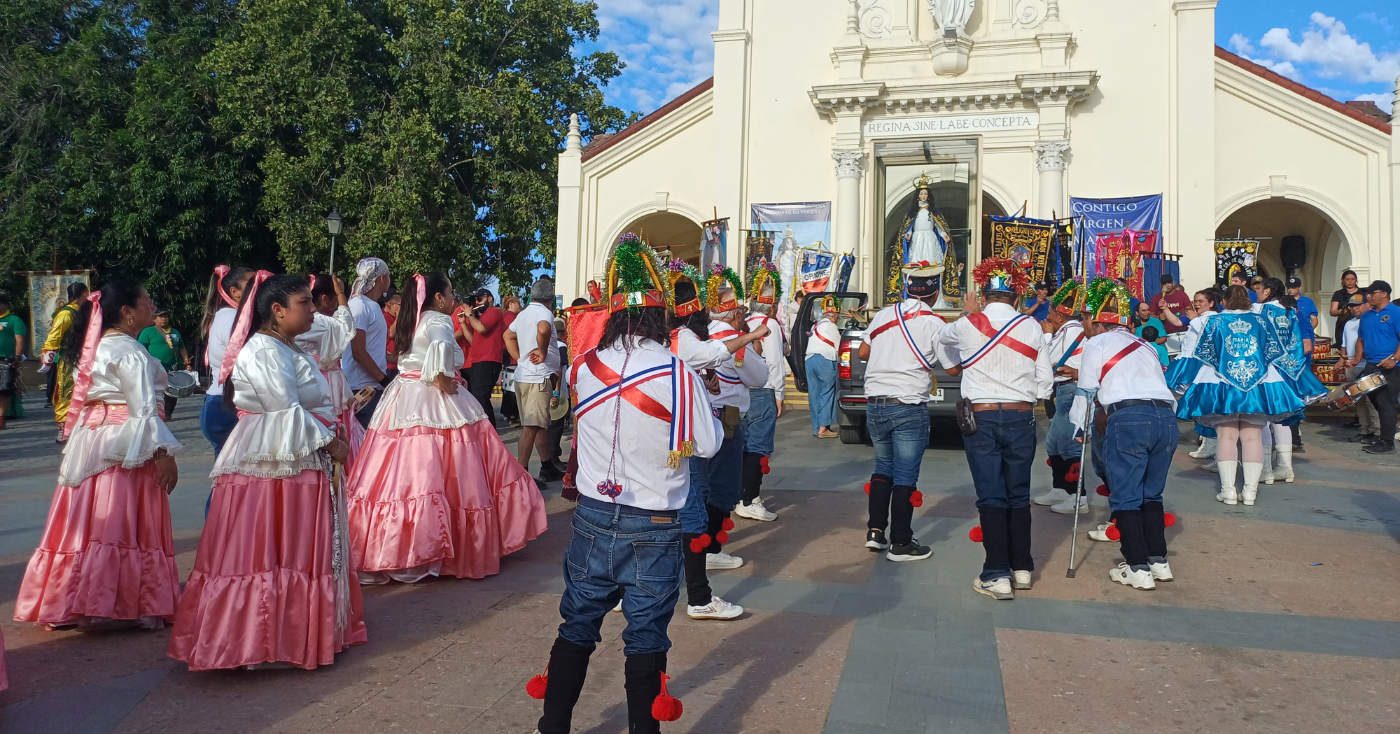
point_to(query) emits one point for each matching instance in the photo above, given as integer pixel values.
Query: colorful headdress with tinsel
(723, 280)
(679, 270)
(1069, 299)
(1001, 275)
(1096, 292)
(1116, 308)
(829, 305)
(764, 279)
(635, 276)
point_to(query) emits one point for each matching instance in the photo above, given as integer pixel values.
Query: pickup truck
(851, 369)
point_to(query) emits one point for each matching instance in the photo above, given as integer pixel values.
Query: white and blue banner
(1093, 217)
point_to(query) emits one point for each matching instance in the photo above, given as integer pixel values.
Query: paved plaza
(1285, 617)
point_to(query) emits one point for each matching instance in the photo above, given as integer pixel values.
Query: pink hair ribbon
(82, 382)
(240, 334)
(422, 296)
(221, 271)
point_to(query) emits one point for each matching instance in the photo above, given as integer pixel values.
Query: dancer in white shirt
(1066, 338)
(899, 349)
(643, 417)
(1005, 372)
(765, 402)
(1125, 375)
(325, 342)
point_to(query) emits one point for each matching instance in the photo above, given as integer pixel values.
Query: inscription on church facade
(952, 124)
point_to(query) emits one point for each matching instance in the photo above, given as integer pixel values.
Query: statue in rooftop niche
(951, 13)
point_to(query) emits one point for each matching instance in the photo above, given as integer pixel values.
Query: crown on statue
(923, 182)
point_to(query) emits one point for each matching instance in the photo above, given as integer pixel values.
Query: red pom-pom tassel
(699, 544)
(1047, 461)
(916, 498)
(537, 685)
(867, 487)
(666, 707)
(722, 537)
(1169, 519)
(975, 535)
(1073, 474)
(1102, 490)
(1112, 531)
(728, 524)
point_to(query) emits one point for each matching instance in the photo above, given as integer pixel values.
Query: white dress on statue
(924, 244)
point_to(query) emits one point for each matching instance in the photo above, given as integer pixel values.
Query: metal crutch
(1084, 456)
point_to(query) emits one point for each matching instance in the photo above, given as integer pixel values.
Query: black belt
(886, 400)
(1121, 404)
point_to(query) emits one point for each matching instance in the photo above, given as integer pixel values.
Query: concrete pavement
(1284, 617)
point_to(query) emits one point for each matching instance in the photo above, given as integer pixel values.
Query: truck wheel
(852, 434)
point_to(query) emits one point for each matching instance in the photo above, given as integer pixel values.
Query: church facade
(1004, 105)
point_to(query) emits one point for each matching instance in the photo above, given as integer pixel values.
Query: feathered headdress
(763, 280)
(1001, 275)
(634, 276)
(829, 305)
(1069, 299)
(679, 270)
(1116, 308)
(723, 279)
(1096, 292)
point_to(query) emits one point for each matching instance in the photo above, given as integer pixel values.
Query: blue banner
(1093, 217)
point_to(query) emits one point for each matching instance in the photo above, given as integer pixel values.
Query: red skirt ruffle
(107, 552)
(262, 589)
(458, 496)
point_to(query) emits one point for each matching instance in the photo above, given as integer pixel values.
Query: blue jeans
(761, 422)
(821, 391)
(617, 548)
(1138, 451)
(900, 435)
(717, 481)
(215, 421)
(999, 455)
(1059, 441)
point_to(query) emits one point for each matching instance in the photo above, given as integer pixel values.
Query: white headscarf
(367, 271)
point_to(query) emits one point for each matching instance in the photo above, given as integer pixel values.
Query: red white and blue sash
(614, 386)
(1003, 337)
(900, 321)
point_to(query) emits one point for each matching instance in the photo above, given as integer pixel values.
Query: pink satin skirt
(421, 496)
(262, 589)
(107, 552)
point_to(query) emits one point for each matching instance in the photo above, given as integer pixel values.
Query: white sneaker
(1021, 579)
(755, 511)
(716, 609)
(1124, 574)
(1100, 534)
(1161, 571)
(997, 588)
(1068, 506)
(722, 562)
(1053, 497)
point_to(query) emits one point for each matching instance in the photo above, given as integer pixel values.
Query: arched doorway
(671, 234)
(1326, 252)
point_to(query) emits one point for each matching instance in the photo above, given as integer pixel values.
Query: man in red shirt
(1175, 300)
(487, 325)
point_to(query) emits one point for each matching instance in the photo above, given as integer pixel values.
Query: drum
(508, 379)
(181, 384)
(1341, 398)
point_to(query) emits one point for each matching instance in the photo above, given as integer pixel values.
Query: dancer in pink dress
(271, 577)
(435, 491)
(107, 554)
(329, 337)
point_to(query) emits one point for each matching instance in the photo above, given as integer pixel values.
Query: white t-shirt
(220, 331)
(369, 318)
(1350, 332)
(526, 328)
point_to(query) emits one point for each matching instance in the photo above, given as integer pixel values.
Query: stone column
(1190, 200)
(1389, 268)
(730, 118)
(570, 261)
(849, 165)
(1050, 162)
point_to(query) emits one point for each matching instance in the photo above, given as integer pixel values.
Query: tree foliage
(155, 138)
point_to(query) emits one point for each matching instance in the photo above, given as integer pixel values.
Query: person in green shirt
(168, 347)
(12, 334)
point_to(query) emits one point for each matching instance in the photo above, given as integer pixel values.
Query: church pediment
(1022, 90)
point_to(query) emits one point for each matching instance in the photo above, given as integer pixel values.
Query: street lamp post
(333, 224)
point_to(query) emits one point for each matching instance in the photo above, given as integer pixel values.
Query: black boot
(1154, 529)
(1131, 540)
(568, 667)
(1018, 526)
(697, 579)
(1072, 469)
(1057, 474)
(995, 540)
(753, 476)
(643, 681)
(881, 487)
(903, 546)
(715, 525)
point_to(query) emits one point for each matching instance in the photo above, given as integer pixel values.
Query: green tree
(433, 125)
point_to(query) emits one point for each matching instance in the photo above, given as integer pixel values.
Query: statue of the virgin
(923, 238)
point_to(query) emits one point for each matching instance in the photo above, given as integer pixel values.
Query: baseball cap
(1295, 283)
(162, 312)
(1357, 299)
(1378, 285)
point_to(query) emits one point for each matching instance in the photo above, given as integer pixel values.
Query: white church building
(1002, 103)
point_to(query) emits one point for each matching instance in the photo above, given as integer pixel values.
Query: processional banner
(714, 244)
(48, 291)
(1095, 217)
(1025, 241)
(1235, 257)
(796, 226)
(1121, 255)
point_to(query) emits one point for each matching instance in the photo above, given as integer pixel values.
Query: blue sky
(1349, 49)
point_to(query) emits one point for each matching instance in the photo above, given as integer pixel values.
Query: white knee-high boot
(1206, 450)
(1251, 482)
(1228, 494)
(1266, 475)
(1285, 462)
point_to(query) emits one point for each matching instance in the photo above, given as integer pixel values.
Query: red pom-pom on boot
(763, 465)
(535, 688)
(867, 487)
(1102, 490)
(1111, 532)
(1169, 519)
(700, 543)
(666, 707)
(1072, 475)
(722, 537)
(916, 498)
(975, 535)
(728, 524)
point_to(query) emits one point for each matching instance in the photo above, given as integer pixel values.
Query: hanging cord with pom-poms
(666, 707)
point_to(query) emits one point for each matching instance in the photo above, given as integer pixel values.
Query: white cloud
(1383, 101)
(1245, 49)
(1333, 52)
(666, 45)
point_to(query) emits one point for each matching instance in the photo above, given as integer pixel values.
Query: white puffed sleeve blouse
(412, 400)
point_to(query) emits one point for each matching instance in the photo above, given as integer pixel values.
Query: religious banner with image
(1025, 241)
(1235, 257)
(714, 242)
(48, 291)
(816, 269)
(758, 249)
(1095, 217)
(1120, 255)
